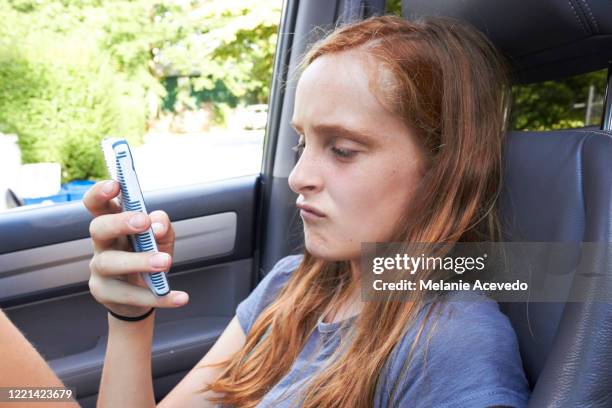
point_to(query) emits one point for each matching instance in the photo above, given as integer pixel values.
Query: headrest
(542, 39)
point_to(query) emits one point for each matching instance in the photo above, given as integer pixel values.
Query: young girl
(401, 127)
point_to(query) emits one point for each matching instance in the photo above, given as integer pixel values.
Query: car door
(229, 233)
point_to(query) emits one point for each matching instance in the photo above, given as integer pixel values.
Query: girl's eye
(343, 153)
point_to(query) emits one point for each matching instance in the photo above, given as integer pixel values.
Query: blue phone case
(120, 165)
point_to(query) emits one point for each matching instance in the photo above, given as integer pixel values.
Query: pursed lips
(310, 209)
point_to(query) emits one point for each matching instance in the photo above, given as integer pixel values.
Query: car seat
(558, 187)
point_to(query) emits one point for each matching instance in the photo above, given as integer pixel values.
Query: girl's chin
(317, 250)
(326, 252)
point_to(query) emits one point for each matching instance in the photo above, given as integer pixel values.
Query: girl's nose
(306, 174)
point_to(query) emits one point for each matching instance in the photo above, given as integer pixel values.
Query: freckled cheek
(386, 202)
(360, 204)
(351, 192)
(369, 202)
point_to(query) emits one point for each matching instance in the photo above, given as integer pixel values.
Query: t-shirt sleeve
(266, 291)
(472, 360)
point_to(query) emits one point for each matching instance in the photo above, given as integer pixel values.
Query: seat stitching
(577, 17)
(597, 131)
(586, 5)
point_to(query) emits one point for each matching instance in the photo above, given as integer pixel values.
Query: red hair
(449, 85)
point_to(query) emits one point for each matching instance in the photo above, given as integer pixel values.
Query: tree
(552, 104)
(215, 42)
(75, 71)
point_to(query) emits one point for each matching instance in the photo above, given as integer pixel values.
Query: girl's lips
(310, 216)
(310, 209)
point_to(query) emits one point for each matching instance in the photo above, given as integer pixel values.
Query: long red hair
(450, 87)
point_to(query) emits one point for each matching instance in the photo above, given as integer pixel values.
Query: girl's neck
(345, 308)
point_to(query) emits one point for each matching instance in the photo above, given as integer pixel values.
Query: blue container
(72, 191)
(76, 189)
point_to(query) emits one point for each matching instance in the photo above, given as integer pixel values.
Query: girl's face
(360, 163)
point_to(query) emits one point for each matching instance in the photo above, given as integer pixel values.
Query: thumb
(175, 298)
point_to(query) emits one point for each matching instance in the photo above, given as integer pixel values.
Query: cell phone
(120, 164)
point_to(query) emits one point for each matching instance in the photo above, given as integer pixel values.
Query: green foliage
(232, 43)
(394, 7)
(551, 104)
(60, 112)
(61, 95)
(222, 112)
(75, 71)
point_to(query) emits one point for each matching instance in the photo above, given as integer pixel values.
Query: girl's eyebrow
(339, 130)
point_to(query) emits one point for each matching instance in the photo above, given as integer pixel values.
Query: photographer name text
(427, 284)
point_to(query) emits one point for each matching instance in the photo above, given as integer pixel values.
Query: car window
(393, 7)
(574, 102)
(186, 82)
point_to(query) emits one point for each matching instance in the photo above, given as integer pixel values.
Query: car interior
(558, 188)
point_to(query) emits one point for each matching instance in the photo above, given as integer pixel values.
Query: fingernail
(180, 298)
(108, 187)
(160, 260)
(138, 221)
(157, 227)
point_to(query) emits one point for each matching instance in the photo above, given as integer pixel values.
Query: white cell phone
(120, 164)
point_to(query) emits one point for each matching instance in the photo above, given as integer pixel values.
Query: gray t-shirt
(472, 358)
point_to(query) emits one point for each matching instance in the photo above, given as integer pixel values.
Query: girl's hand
(115, 279)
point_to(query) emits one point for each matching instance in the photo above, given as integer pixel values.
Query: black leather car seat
(558, 187)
